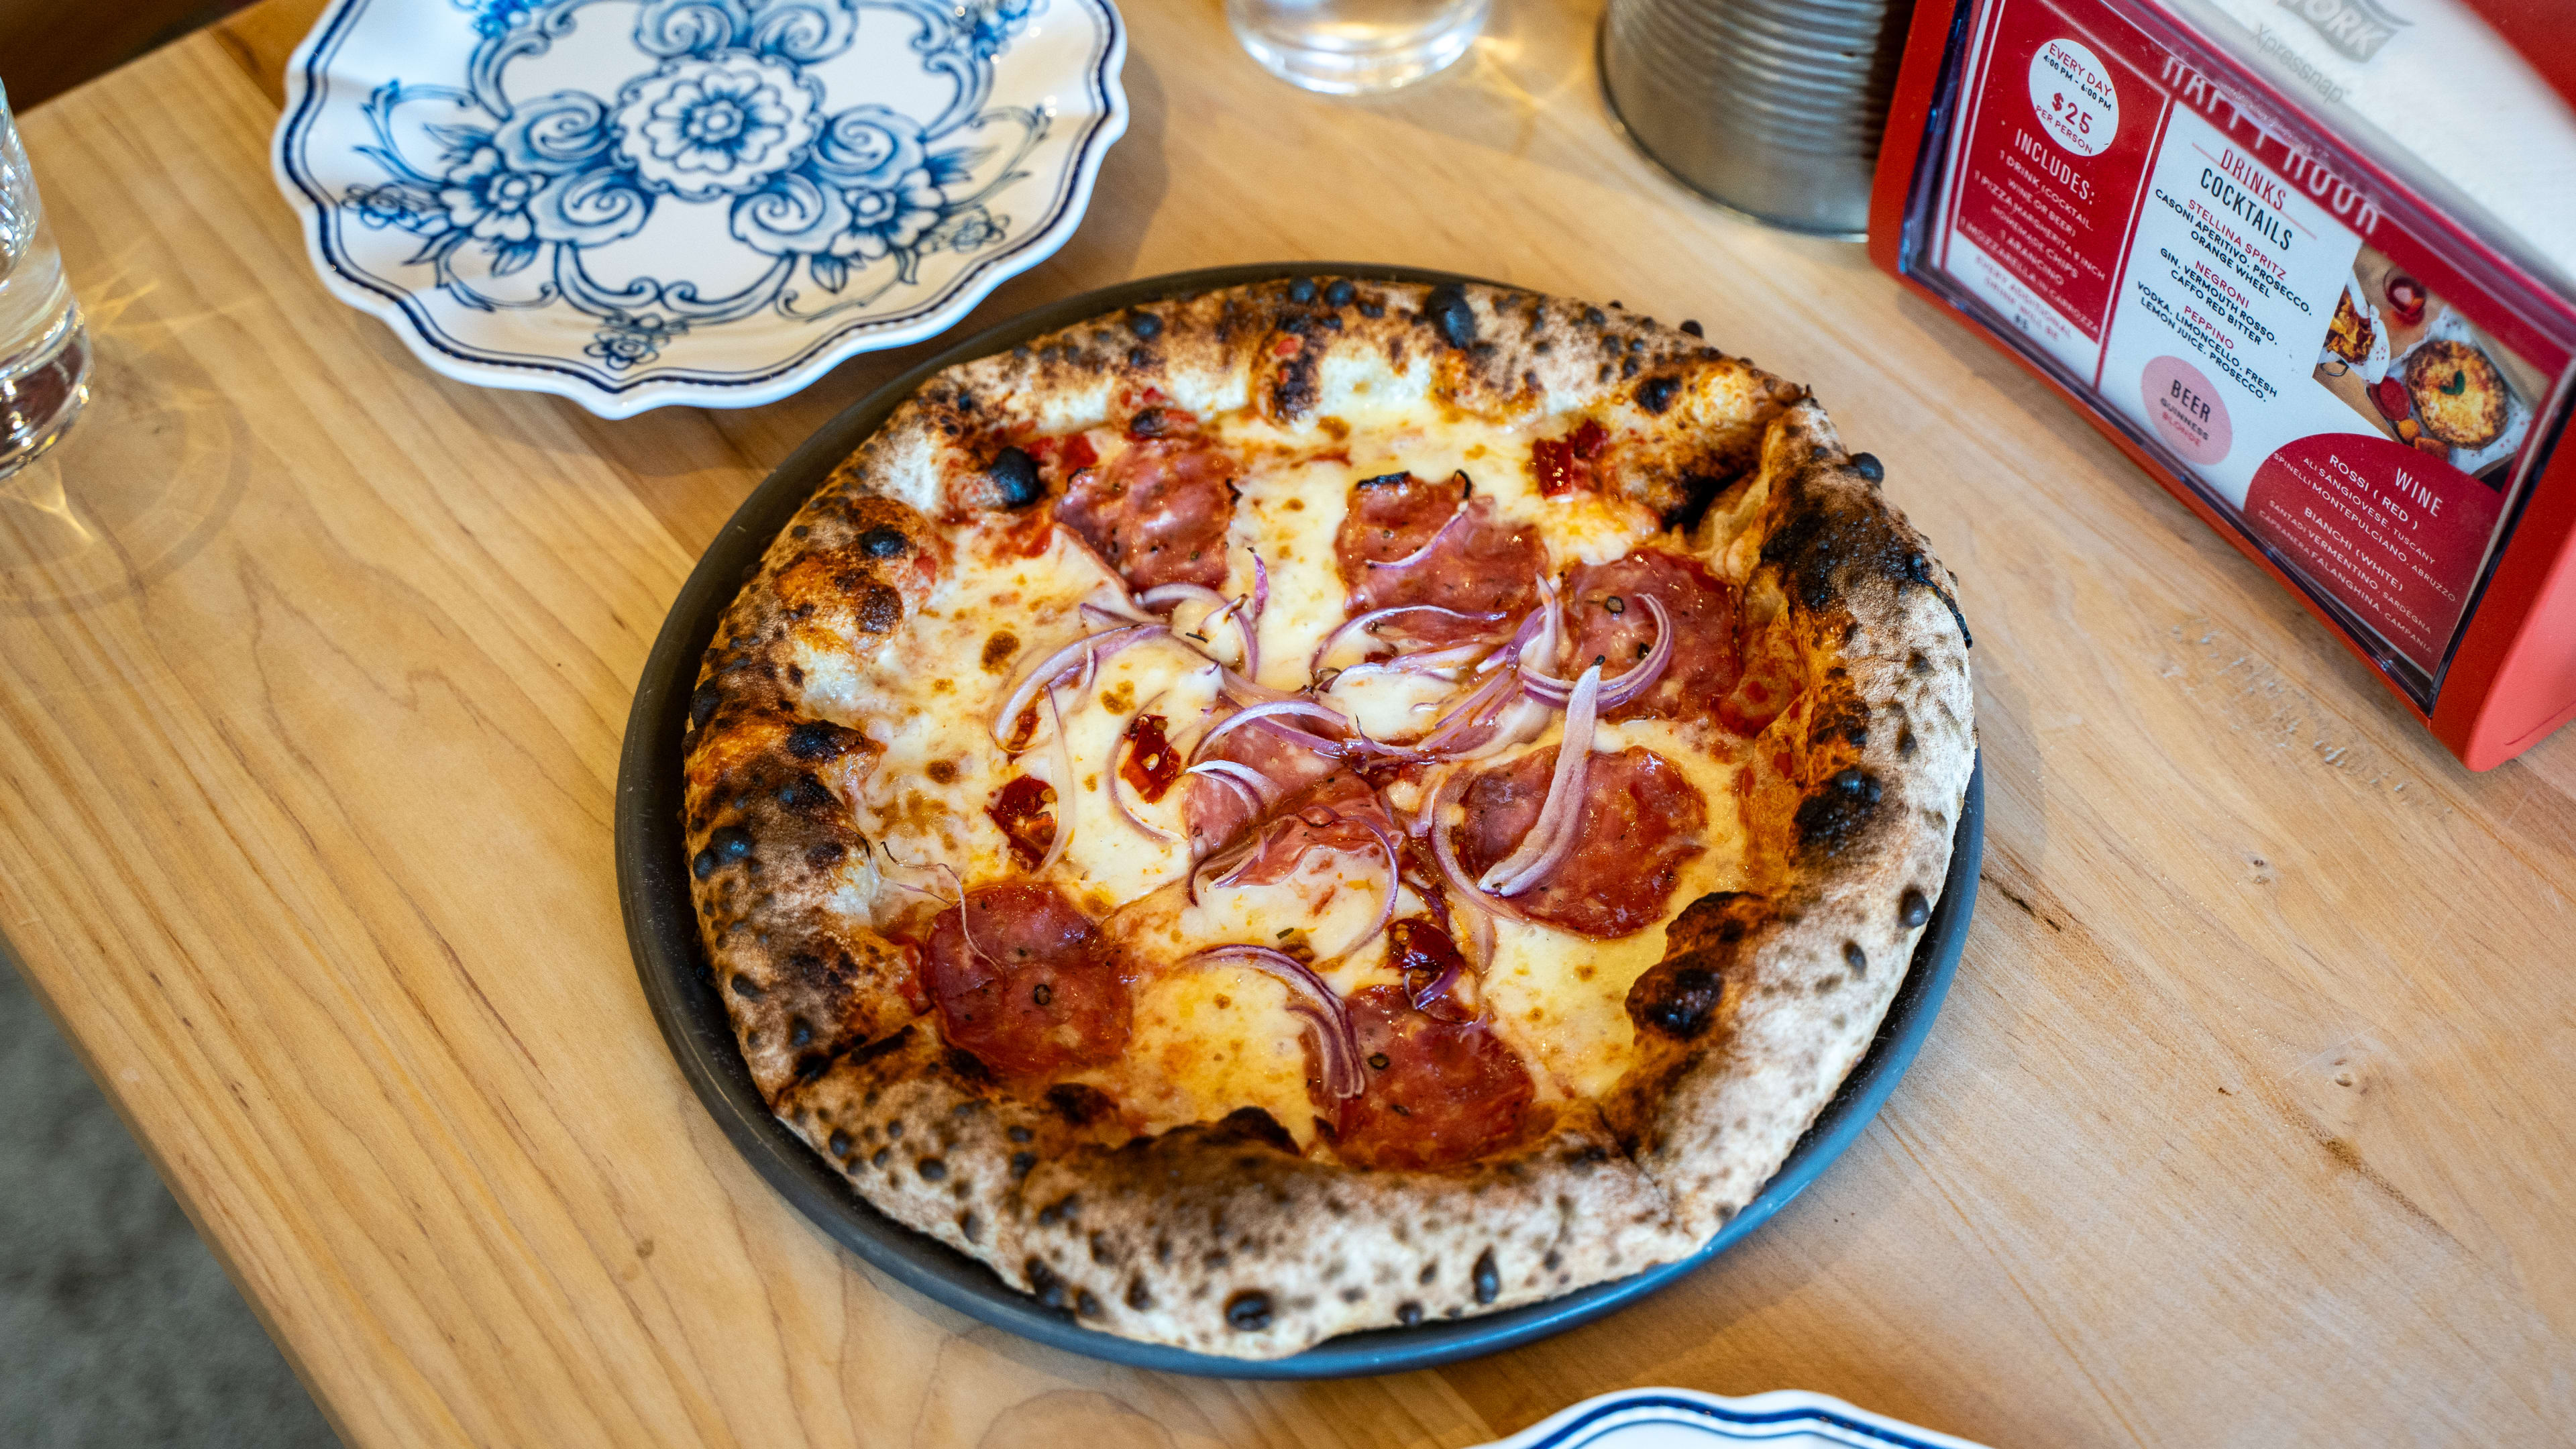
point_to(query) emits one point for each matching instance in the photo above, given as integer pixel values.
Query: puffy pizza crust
(1220, 1238)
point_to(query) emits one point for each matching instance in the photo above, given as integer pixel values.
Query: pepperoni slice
(1439, 1092)
(1040, 990)
(1216, 813)
(1482, 564)
(1641, 822)
(1158, 511)
(1607, 623)
(1338, 814)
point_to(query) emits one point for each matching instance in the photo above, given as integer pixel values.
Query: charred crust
(818, 740)
(1839, 810)
(1252, 1124)
(1248, 1311)
(1078, 1104)
(1043, 1282)
(1293, 387)
(1823, 547)
(1685, 994)
(1680, 1002)
(1656, 394)
(1447, 312)
(1014, 476)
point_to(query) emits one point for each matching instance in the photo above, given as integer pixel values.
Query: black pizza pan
(661, 928)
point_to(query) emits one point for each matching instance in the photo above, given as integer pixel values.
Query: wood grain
(2248, 1121)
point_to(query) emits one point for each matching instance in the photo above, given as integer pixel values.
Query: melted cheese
(1561, 999)
(1209, 1039)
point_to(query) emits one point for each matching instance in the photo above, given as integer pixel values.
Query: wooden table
(2250, 1117)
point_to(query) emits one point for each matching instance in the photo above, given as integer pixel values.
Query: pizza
(2457, 392)
(1326, 804)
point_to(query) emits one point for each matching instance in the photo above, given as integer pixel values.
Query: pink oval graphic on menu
(2188, 413)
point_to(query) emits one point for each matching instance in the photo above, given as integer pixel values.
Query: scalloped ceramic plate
(1683, 1419)
(634, 203)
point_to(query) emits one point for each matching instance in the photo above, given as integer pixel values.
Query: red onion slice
(1260, 584)
(1265, 791)
(1439, 987)
(1051, 671)
(1464, 726)
(1445, 855)
(1367, 624)
(1220, 611)
(1239, 690)
(1166, 597)
(1394, 885)
(1448, 525)
(1064, 788)
(1337, 1045)
(1560, 817)
(1555, 693)
(1114, 615)
(1293, 707)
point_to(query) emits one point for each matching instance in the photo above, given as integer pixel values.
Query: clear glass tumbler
(44, 349)
(1351, 47)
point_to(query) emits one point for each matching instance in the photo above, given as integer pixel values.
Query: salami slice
(1607, 623)
(1438, 1092)
(1641, 823)
(1408, 541)
(1039, 990)
(1158, 511)
(1217, 812)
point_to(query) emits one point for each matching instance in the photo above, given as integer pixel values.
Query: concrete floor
(116, 1327)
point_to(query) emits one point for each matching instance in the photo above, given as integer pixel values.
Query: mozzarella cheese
(1209, 1039)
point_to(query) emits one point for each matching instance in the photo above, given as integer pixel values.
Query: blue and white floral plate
(634, 203)
(1683, 1419)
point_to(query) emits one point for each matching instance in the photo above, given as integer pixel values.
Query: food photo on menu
(781, 721)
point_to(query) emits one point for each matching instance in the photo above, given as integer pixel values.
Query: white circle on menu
(2071, 90)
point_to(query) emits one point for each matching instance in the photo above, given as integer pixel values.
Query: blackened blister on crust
(1449, 313)
(1292, 384)
(818, 740)
(1684, 993)
(1015, 478)
(1079, 1105)
(1817, 547)
(1839, 811)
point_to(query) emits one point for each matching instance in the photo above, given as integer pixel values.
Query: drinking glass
(1350, 47)
(44, 349)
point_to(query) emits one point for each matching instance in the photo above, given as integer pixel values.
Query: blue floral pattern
(731, 115)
